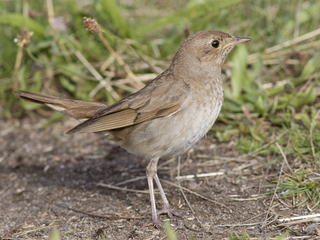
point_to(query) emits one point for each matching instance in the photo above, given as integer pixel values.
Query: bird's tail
(77, 109)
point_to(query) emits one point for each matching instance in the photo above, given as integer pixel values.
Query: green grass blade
(111, 8)
(171, 235)
(239, 70)
(54, 234)
(17, 20)
(310, 68)
(194, 10)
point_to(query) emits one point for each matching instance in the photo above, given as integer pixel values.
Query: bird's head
(208, 46)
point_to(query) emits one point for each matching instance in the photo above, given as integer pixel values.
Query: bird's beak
(237, 41)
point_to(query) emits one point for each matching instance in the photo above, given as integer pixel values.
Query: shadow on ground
(49, 179)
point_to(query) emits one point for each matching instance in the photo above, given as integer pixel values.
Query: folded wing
(150, 102)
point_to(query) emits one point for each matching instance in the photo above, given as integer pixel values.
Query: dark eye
(215, 43)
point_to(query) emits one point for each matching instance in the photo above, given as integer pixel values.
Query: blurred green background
(271, 84)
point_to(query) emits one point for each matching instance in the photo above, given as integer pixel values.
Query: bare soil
(50, 179)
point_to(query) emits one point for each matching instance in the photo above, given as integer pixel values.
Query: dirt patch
(46, 175)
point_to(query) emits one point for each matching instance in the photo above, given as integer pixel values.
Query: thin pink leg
(166, 206)
(151, 172)
(152, 199)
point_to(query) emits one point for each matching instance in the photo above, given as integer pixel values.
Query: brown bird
(169, 115)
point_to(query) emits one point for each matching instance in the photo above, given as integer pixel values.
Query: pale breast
(175, 134)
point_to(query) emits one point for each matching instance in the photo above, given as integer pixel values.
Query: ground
(49, 179)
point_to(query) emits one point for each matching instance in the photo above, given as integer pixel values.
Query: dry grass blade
(270, 52)
(197, 194)
(202, 175)
(275, 192)
(136, 81)
(268, 144)
(298, 48)
(313, 217)
(284, 157)
(313, 124)
(131, 180)
(293, 41)
(104, 83)
(245, 199)
(239, 225)
(122, 189)
(97, 75)
(86, 213)
(182, 192)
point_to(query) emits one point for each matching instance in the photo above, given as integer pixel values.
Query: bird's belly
(171, 135)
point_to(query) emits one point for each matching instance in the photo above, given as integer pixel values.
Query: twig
(166, 162)
(294, 41)
(254, 217)
(197, 194)
(246, 199)
(137, 52)
(212, 174)
(121, 189)
(283, 202)
(34, 230)
(313, 124)
(297, 48)
(104, 83)
(275, 218)
(300, 217)
(14, 228)
(178, 177)
(268, 144)
(131, 180)
(97, 75)
(296, 28)
(284, 157)
(184, 196)
(273, 52)
(142, 77)
(87, 213)
(275, 192)
(17, 66)
(239, 225)
(136, 82)
(50, 10)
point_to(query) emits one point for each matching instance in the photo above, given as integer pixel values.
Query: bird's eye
(215, 43)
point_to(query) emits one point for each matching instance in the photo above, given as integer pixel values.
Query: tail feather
(74, 108)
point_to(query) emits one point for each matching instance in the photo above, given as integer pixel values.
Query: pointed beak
(237, 41)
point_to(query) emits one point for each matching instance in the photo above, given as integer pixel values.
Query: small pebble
(311, 228)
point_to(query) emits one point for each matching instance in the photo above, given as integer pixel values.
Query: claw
(157, 223)
(172, 212)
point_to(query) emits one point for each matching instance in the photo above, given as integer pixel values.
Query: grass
(235, 236)
(271, 84)
(301, 187)
(54, 234)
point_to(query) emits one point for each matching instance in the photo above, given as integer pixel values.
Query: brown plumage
(169, 115)
(77, 109)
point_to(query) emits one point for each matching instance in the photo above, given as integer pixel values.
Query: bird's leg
(163, 195)
(151, 173)
(166, 206)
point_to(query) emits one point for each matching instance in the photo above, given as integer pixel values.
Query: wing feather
(153, 101)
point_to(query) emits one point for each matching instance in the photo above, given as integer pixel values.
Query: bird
(166, 117)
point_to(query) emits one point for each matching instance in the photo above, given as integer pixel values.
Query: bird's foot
(154, 222)
(160, 225)
(172, 212)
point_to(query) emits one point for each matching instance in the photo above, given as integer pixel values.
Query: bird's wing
(153, 101)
